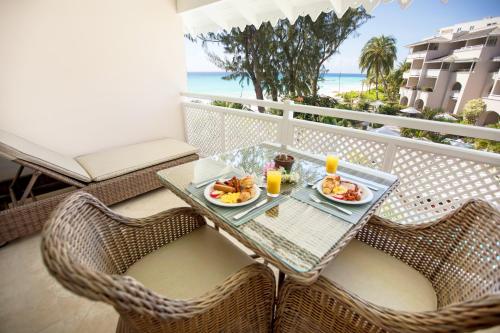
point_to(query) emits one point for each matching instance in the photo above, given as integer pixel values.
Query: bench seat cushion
(14, 147)
(191, 265)
(118, 161)
(381, 279)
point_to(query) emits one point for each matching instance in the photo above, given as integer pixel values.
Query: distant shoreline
(212, 83)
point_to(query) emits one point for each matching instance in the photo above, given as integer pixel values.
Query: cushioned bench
(112, 175)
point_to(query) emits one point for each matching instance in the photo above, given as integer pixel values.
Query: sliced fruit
(216, 194)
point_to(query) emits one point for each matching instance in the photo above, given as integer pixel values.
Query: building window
(492, 41)
(459, 29)
(456, 87)
(446, 65)
(471, 27)
(419, 104)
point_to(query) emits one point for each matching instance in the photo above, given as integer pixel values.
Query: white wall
(78, 76)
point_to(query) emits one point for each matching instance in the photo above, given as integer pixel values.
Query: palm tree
(378, 57)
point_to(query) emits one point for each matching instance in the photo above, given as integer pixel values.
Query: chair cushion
(118, 161)
(191, 265)
(381, 279)
(15, 147)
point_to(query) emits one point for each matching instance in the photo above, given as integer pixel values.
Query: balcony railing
(417, 55)
(434, 177)
(432, 72)
(468, 52)
(407, 92)
(415, 72)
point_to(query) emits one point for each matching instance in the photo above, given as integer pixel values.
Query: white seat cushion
(191, 265)
(381, 279)
(121, 160)
(15, 147)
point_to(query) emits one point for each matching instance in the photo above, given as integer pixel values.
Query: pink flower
(268, 166)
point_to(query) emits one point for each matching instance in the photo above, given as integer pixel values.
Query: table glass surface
(295, 233)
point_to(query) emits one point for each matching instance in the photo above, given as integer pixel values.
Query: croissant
(246, 182)
(244, 196)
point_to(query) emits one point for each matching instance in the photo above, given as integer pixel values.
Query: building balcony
(432, 72)
(492, 103)
(245, 128)
(422, 98)
(412, 72)
(468, 52)
(115, 254)
(423, 95)
(434, 180)
(407, 92)
(417, 55)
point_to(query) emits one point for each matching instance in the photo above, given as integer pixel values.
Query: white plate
(210, 188)
(366, 194)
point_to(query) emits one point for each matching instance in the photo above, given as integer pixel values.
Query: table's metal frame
(302, 277)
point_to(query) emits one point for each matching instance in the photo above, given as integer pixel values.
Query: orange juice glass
(332, 162)
(273, 183)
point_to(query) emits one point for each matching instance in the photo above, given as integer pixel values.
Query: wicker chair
(456, 255)
(93, 252)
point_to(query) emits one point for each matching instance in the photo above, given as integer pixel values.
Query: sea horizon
(219, 72)
(211, 82)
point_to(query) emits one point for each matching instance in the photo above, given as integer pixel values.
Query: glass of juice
(332, 162)
(273, 183)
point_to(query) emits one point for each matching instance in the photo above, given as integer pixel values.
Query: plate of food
(233, 192)
(344, 191)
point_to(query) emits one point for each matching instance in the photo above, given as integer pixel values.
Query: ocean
(212, 83)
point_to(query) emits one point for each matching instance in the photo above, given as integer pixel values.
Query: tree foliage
(251, 56)
(378, 57)
(288, 58)
(324, 37)
(473, 109)
(395, 80)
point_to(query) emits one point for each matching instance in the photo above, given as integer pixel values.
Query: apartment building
(460, 63)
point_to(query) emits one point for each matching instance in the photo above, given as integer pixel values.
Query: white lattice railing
(434, 177)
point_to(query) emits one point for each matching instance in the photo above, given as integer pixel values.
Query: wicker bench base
(29, 218)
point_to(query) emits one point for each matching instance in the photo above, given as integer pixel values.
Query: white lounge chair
(111, 175)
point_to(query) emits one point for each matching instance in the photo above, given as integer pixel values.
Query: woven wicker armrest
(457, 253)
(118, 240)
(87, 247)
(98, 244)
(460, 317)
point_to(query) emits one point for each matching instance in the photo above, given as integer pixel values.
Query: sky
(423, 18)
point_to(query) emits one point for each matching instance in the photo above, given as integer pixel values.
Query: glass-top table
(295, 236)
